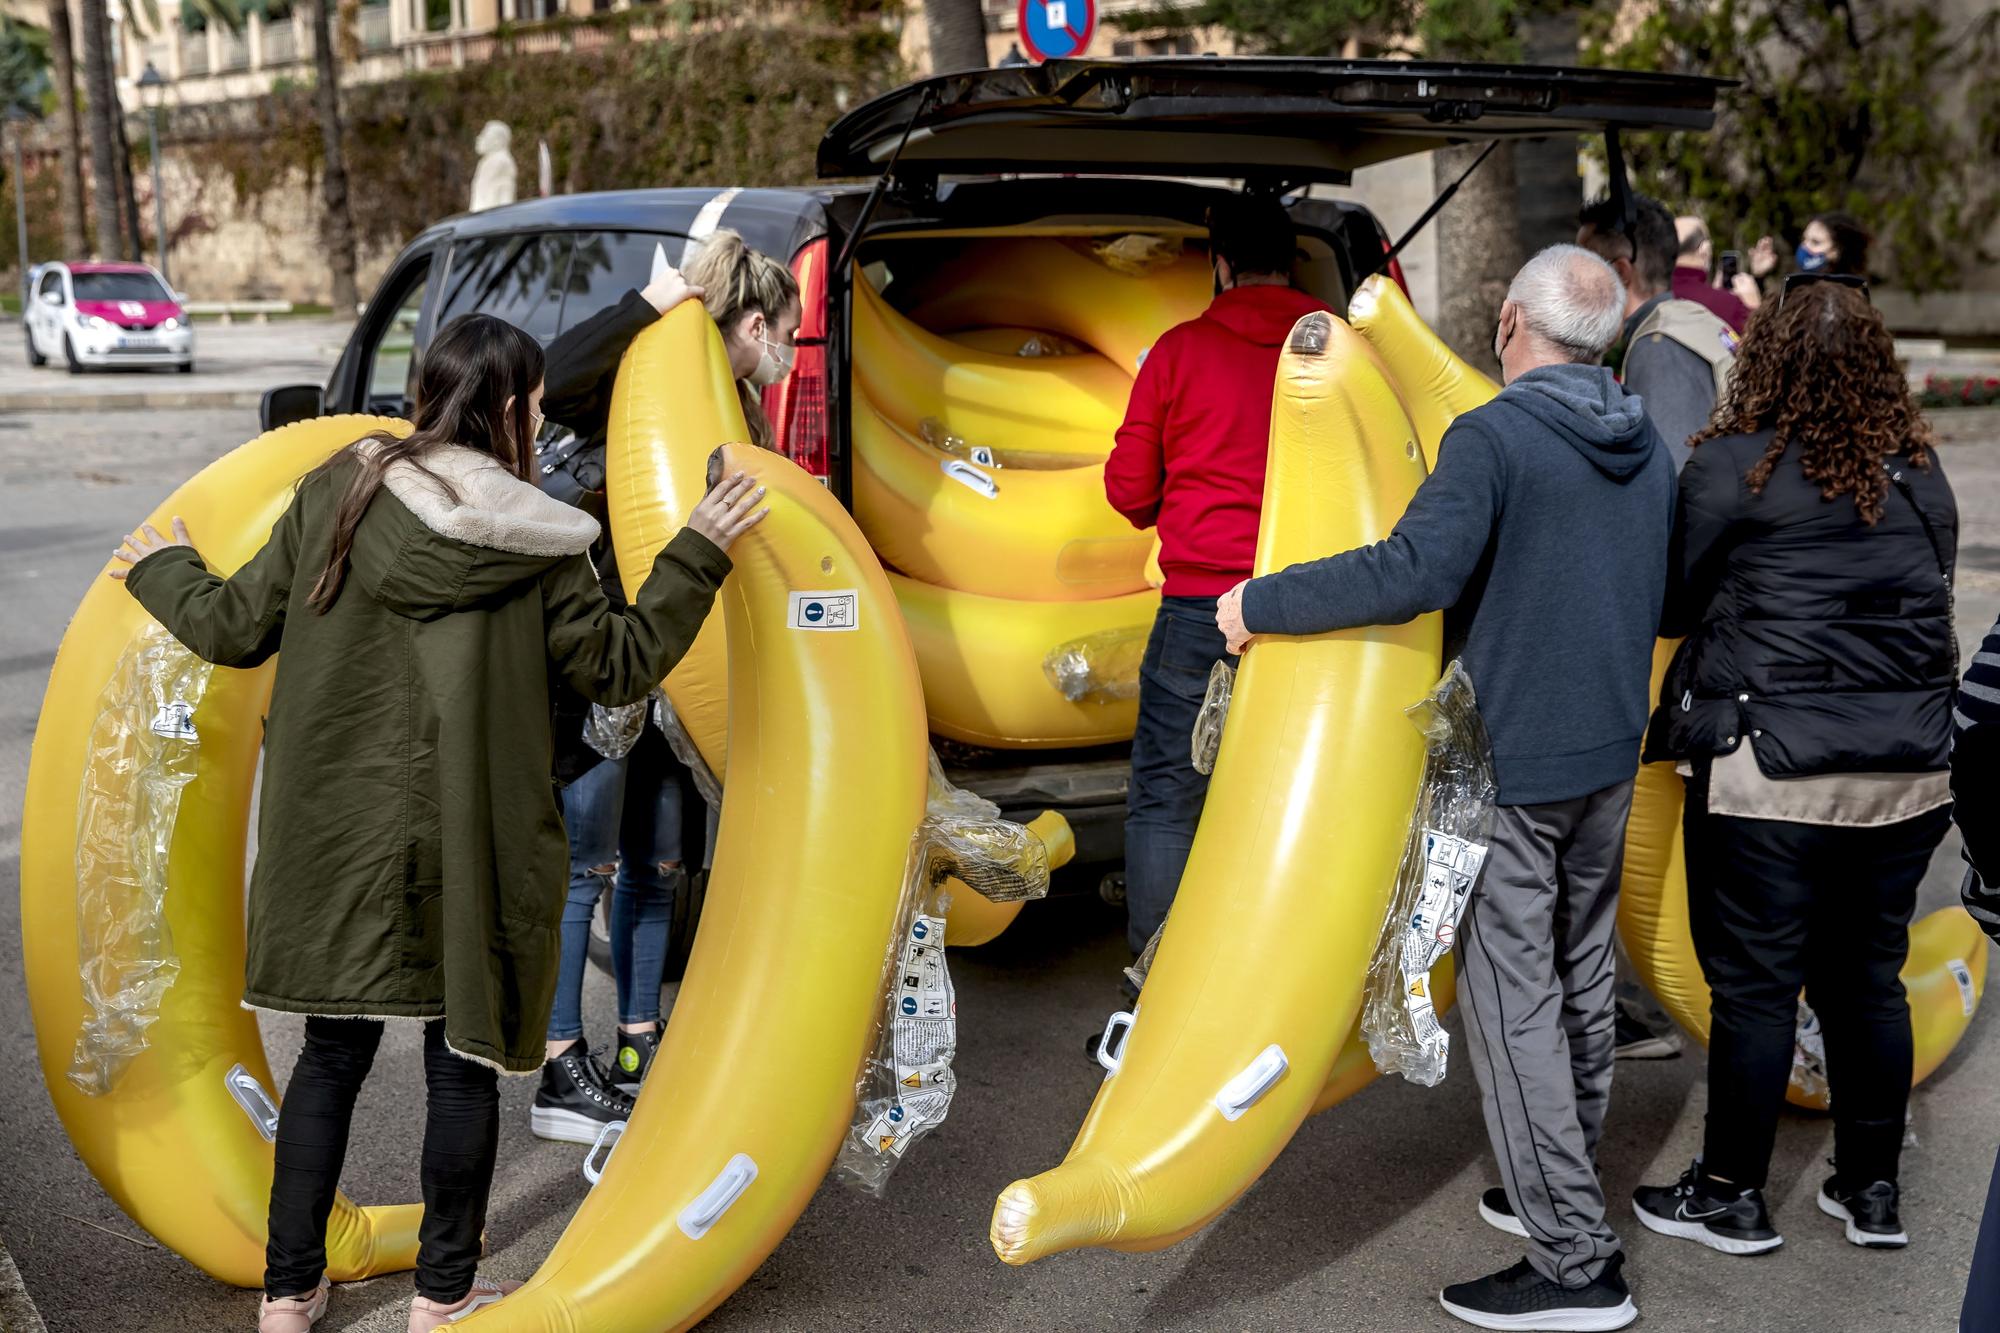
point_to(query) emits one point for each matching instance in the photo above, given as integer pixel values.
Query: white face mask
(774, 362)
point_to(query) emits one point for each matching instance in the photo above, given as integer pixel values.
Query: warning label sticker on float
(175, 722)
(839, 609)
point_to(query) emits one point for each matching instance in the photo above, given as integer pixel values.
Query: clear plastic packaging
(144, 750)
(1450, 831)
(1809, 1057)
(1136, 254)
(1101, 667)
(685, 750)
(1206, 741)
(1048, 344)
(906, 1084)
(612, 732)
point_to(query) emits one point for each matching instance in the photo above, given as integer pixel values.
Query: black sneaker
(1701, 1210)
(576, 1100)
(1636, 1041)
(1497, 1212)
(1521, 1298)
(635, 1056)
(1870, 1212)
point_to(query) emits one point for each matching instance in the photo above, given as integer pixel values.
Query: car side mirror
(289, 403)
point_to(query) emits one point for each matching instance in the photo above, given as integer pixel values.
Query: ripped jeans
(624, 822)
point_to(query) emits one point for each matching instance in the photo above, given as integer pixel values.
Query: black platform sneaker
(1869, 1211)
(576, 1100)
(1521, 1298)
(1719, 1216)
(635, 1056)
(1496, 1212)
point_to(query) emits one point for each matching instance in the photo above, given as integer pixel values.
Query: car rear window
(118, 287)
(606, 264)
(516, 278)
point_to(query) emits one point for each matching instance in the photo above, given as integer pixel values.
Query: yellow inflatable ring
(750, 1098)
(1066, 407)
(1945, 974)
(1258, 979)
(1041, 536)
(1050, 283)
(168, 1141)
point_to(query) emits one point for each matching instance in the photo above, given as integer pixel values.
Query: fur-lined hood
(459, 530)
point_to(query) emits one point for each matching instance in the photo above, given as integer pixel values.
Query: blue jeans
(624, 823)
(1164, 802)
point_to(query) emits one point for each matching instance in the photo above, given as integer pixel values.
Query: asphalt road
(1368, 1212)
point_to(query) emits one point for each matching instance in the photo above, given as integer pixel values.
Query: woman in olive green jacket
(422, 595)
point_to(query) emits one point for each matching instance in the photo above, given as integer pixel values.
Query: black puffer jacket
(1824, 642)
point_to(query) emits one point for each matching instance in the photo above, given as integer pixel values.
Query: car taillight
(797, 404)
(1396, 269)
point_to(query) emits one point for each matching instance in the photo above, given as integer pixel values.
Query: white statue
(493, 180)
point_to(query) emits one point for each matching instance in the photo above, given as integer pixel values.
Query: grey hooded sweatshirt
(1542, 536)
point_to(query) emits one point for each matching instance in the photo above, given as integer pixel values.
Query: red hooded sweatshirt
(1190, 456)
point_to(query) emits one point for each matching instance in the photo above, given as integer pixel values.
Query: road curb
(144, 400)
(17, 1311)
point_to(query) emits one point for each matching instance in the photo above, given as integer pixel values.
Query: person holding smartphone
(1692, 266)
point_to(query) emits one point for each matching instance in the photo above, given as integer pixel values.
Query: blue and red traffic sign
(1054, 29)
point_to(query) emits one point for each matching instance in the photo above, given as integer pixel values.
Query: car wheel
(35, 357)
(187, 367)
(69, 357)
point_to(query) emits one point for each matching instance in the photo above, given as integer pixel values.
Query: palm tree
(957, 30)
(69, 130)
(102, 97)
(337, 226)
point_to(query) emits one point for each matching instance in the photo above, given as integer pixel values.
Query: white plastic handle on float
(1248, 1088)
(1118, 1022)
(256, 1103)
(607, 1142)
(970, 477)
(709, 1206)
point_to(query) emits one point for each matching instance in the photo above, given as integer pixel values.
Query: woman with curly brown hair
(1810, 708)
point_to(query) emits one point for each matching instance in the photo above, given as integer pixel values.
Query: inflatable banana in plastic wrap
(972, 919)
(754, 1084)
(1259, 974)
(1024, 409)
(1027, 534)
(175, 1127)
(1945, 974)
(1063, 285)
(1435, 383)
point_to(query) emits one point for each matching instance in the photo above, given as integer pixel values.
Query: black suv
(1087, 146)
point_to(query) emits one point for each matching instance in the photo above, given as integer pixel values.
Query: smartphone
(1729, 266)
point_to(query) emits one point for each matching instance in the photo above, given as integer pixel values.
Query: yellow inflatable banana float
(755, 1084)
(169, 1140)
(1030, 535)
(972, 919)
(1019, 407)
(1945, 974)
(1259, 976)
(981, 659)
(1436, 383)
(1057, 284)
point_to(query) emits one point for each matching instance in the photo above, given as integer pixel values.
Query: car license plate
(138, 341)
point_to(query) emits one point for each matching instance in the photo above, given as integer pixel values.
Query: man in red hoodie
(1190, 461)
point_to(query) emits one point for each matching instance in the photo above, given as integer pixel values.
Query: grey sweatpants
(1536, 994)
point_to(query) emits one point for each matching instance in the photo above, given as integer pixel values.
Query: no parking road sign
(1054, 29)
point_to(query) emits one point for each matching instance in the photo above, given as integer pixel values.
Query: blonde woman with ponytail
(754, 301)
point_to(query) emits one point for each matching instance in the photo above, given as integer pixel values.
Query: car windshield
(118, 287)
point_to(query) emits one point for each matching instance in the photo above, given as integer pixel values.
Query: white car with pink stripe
(93, 315)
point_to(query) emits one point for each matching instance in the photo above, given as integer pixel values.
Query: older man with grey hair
(1542, 536)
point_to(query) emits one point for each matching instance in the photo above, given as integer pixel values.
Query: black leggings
(461, 1137)
(1777, 908)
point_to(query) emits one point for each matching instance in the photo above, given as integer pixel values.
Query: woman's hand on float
(1229, 618)
(729, 511)
(148, 541)
(669, 290)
